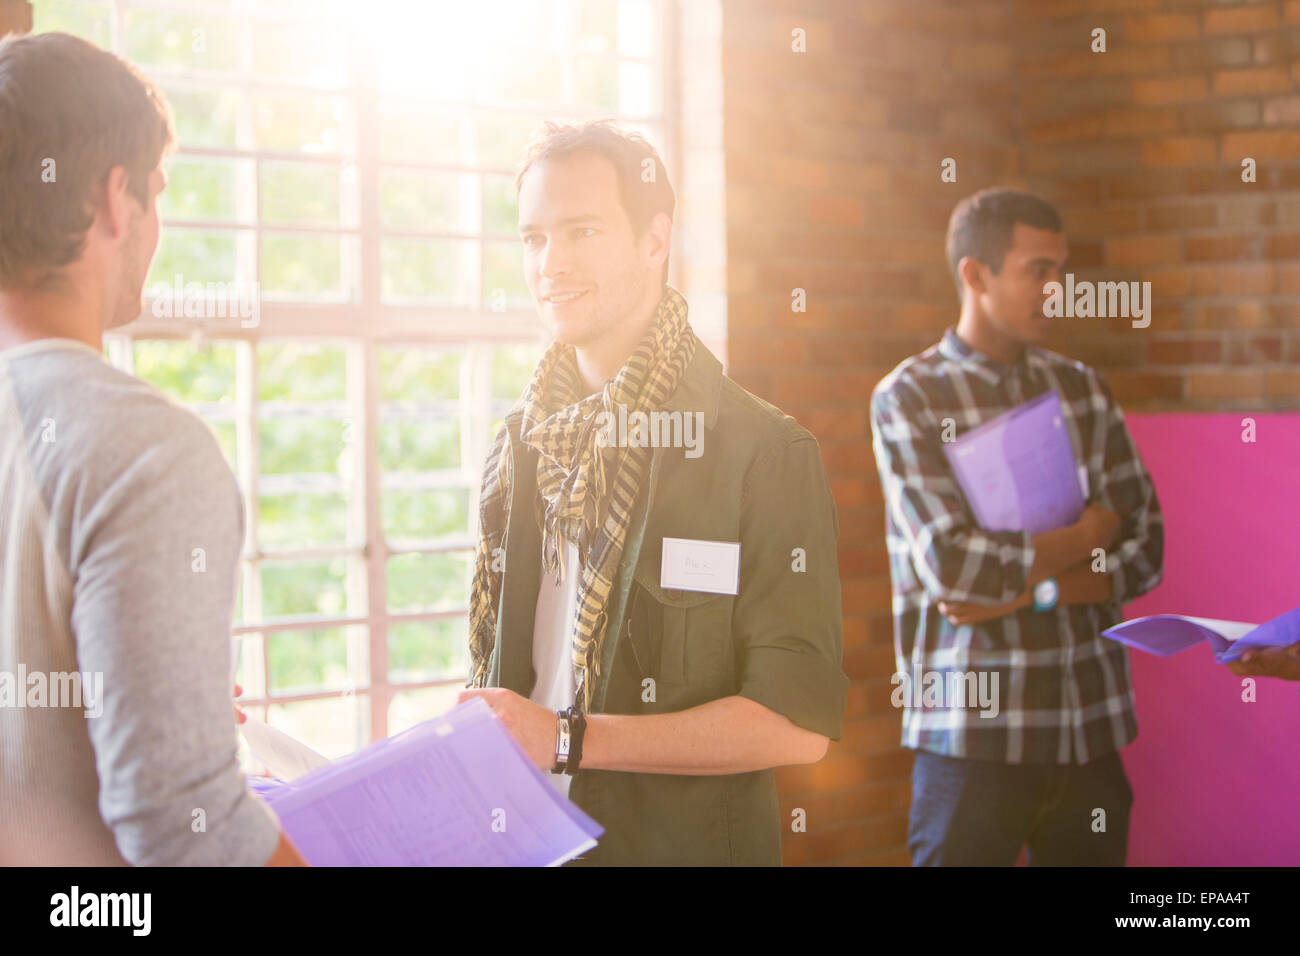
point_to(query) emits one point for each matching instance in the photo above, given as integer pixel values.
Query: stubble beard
(134, 270)
(621, 298)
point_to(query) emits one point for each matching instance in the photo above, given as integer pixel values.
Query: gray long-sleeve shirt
(120, 532)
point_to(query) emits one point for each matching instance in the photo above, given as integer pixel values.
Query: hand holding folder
(453, 791)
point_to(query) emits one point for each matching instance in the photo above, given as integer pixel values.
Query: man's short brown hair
(982, 224)
(644, 196)
(66, 100)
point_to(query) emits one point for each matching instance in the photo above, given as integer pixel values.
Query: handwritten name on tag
(692, 565)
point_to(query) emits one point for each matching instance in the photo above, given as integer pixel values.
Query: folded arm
(957, 561)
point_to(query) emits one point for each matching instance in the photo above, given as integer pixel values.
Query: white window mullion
(248, 461)
(365, 98)
(364, 594)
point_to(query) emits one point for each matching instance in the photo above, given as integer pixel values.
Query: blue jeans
(980, 813)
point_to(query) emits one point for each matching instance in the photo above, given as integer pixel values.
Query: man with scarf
(660, 709)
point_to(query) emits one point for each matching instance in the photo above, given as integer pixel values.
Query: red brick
(1139, 122)
(1284, 315)
(1282, 383)
(1066, 130)
(1252, 82)
(1170, 90)
(1282, 111)
(1253, 18)
(1261, 145)
(836, 211)
(1181, 216)
(1190, 281)
(1161, 27)
(1179, 151)
(1219, 248)
(1138, 387)
(996, 58)
(1119, 59)
(1196, 351)
(1240, 315)
(1104, 351)
(1252, 279)
(828, 807)
(878, 733)
(1208, 53)
(1246, 213)
(1223, 384)
(1212, 117)
(1288, 278)
(1119, 6)
(1144, 250)
(1282, 246)
(1260, 349)
(1092, 220)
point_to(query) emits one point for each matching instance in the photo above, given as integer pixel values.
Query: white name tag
(691, 565)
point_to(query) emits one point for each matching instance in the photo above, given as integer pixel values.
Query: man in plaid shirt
(1020, 613)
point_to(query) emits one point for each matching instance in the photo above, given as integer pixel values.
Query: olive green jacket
(758, 481)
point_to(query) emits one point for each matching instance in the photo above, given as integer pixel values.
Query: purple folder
(453, 791)
(1018, 471)
(1167, 634)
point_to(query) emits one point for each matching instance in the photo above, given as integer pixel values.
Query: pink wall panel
(1216, 780)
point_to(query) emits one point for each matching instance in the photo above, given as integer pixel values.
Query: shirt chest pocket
(681, 639)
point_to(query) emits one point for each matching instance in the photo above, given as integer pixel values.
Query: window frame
(361, 326)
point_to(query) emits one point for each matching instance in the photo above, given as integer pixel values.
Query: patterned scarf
(586, 491)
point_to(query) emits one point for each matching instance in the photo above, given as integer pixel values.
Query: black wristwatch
(570, 726)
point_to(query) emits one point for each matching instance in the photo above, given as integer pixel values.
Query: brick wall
(832, 167)
(15, 17)
(832, 162)
(1142, 148)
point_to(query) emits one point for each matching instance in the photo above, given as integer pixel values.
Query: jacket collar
(990, 369)
(700, 388)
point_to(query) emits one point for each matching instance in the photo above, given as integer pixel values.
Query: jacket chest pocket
(681, 639)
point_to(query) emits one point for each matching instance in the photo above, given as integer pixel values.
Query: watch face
(1045, 593)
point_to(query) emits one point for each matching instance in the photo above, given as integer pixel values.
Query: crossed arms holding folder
(1065, 554)
(1026, 454)
(980, 573)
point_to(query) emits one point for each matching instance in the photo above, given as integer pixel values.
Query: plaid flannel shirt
(1064, 691)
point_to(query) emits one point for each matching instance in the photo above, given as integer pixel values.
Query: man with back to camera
(664, 706)
(1030, 609)
(107, 491)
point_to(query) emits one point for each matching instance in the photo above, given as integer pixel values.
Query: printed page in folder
(280, 754)
(1018, 470)
(453, 791)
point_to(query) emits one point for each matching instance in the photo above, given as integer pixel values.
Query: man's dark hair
(66, 100)
(982, 224)
(642, 179)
